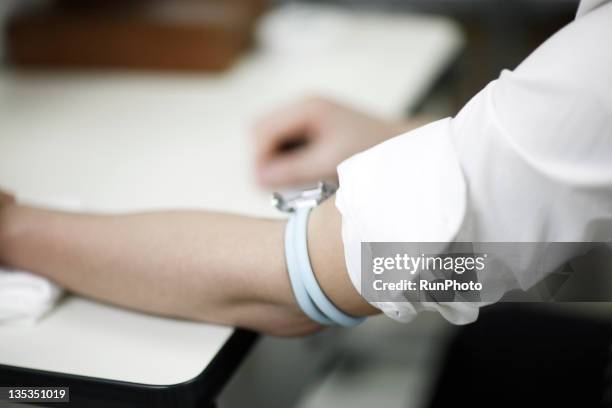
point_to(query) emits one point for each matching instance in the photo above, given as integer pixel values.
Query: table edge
(100, 392)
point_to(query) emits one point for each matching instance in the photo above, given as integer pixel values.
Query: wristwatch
(307, 291)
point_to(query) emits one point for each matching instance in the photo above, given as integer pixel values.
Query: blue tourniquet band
(308, 293)
(299, 290)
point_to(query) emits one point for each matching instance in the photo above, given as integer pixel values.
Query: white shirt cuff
(407, 189)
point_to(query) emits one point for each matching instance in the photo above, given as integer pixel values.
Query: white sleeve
(528, 159)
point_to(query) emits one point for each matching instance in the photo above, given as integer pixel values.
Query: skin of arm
(212, 267)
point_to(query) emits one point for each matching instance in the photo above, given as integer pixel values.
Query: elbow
(282, 322)
(269, 319)
(293, 329)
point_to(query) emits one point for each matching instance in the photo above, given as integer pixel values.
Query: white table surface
(132, 141)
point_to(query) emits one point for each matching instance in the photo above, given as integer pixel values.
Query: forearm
(218, 268)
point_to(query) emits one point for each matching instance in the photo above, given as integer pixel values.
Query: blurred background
(171, 88)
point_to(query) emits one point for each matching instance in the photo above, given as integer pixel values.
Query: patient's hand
(304, 142)
(6, 198)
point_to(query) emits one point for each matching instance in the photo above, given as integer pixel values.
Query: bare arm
(212, 267)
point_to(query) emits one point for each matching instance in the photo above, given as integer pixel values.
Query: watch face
(289, 201)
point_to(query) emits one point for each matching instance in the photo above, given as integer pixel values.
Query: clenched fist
(305, 142)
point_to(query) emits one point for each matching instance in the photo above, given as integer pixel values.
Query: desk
(125, 142)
